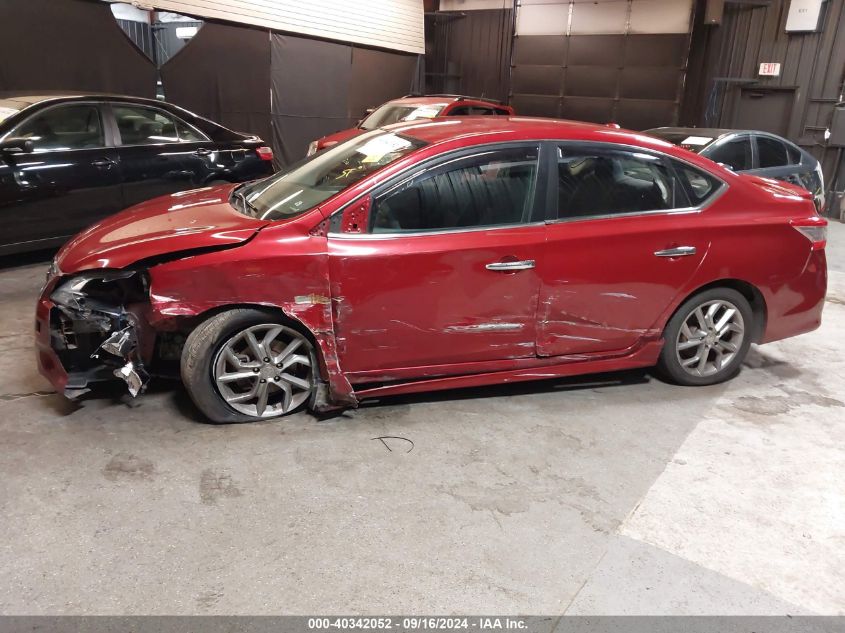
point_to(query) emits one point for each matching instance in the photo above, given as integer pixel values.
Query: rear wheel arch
(748, 290)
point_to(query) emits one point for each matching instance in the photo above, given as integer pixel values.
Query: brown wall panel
(536, 105)
(539, 80)
(642, 114)
(656, 50)
(539, 50)
(588, 109)
(650, 83)
(591, 81)
(596, 50)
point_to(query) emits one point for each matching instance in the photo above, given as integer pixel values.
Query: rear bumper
(796, 307)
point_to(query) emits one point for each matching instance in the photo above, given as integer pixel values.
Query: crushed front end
(92, 327)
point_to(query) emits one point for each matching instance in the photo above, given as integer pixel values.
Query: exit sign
(769, 69)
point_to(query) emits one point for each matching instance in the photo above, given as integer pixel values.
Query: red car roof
(519, 126)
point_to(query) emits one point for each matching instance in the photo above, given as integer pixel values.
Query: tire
(226, 371)
(697, 355)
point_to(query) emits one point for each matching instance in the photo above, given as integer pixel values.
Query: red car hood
(187, 220)
(339, 137)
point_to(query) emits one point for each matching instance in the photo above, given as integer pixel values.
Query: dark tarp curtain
(310, 81)
(379, 76)
(72, 45)
(224, 74)
(322, 87)
(471, 53)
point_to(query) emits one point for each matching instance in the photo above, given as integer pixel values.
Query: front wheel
(707, 339)
(243, 365)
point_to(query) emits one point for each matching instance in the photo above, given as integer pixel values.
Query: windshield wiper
(248, 207)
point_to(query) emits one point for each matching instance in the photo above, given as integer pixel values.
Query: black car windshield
(310, 182)
(691, 141)
(395, 113)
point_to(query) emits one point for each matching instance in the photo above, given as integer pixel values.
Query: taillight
(264, 153)
(814, 229)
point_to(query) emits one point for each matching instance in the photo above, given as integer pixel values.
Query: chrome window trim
(178, 119)
(103, 125)
(468, 229)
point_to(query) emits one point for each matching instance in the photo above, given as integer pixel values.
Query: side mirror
(17, 144)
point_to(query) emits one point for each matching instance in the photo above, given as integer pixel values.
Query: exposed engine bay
(99, 329)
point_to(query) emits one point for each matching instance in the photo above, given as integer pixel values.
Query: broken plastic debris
(119, 343)
(133, 381)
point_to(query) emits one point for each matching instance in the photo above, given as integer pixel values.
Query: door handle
(509, 266)
(678, 251)
(103, 162)
(203, 151)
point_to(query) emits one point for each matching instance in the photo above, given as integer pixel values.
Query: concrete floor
(605, 495)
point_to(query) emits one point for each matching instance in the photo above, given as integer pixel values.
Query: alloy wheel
(710, 338)
(265, 370)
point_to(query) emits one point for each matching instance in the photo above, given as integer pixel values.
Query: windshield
(316, 179)
(394, 113)
(693, 142)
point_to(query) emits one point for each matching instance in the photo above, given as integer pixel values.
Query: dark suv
(69, 160)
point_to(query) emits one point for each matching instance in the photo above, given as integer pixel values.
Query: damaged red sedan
(434, 255)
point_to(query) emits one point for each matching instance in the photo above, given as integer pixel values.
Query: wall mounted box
(804, 15)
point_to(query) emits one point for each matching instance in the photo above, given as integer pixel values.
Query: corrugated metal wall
(728, 56)
(392, 24)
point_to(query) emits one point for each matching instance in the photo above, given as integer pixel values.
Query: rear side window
(148, 126)
(735, 153)
(63, 128)
(599, 182)
(699, 185)
(794, 154)
(771, 152)
(492, 188)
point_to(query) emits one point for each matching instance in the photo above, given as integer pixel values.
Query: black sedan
(751, 151)
(67, 161)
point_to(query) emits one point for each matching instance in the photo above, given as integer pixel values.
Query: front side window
(599, 182)
(395, 113)
(491, 188)
(316, 179)
(63, 128)
(771, 152)
(734, 152)
(149, 126)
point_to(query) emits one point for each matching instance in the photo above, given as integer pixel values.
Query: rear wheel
(244, 365)
(707, 339)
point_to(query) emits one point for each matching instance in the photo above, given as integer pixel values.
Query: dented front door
(426, 300)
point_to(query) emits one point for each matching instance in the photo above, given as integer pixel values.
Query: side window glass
(460, 111)
(698, 185)
(735, 153)
(502, 112)
(794, 154)
(63, 128)
(609, 182)
(771, 152)
(488, 189)
(148, 126)
(482, 111)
